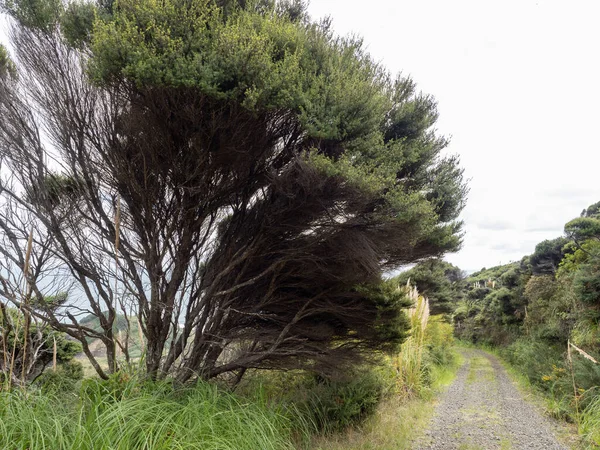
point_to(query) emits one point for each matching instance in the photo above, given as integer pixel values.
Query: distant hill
(120, 330)
(120, 324)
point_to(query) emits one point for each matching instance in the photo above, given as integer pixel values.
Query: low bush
(547, 368)
(332, 405)
(439, 340)
(64, 379)
(322, 405)
(540, 363)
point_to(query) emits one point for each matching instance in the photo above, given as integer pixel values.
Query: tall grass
(590, 423)
(128, 415)
(409, 362)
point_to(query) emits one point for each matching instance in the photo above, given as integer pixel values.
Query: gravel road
(483, 409)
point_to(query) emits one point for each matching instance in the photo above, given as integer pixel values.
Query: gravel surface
(483, 409)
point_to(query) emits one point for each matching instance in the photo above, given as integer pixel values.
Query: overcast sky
(518, 90)
(518, 86)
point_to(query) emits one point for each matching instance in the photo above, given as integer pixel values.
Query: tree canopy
(441, 282)
(548, 255)
(229, 173)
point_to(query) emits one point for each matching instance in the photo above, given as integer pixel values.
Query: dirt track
(483, 409)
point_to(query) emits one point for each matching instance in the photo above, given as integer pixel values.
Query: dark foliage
(235, 177)
(547, 256)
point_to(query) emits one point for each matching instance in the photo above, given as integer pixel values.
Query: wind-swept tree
(228, 173)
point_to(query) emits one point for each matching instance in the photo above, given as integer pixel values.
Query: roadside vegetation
(384, 404)
(127, 413)
(427, 362)
(540, 314)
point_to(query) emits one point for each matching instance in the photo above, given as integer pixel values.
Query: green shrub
(63, 380)
(537, 361)
(546, 368)
(332, 405)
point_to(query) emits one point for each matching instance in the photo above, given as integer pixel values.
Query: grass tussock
(409, 361)
(136, 415)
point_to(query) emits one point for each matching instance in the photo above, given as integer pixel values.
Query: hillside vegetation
(542, 313)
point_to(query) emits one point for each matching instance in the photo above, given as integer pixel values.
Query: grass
(409, 361)
(133, 415)
(269, 411)
(395, 425)
(590, 424)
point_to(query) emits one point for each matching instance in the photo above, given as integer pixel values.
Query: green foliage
(501, 304)
(592, 211)
(42, 15)
(438, 356)
(412, 372)
(587, 284)
(333, 405)
(546, 367)
(590, 423)
(7, 67)
(391, 325)
(77, 22)
(583, 228)
(41, 337)
(60, 187)
(547, 256)
(492, 274)
(144, 415)
(535, 359)
(439, 340)
(259, 59)
(266, 60)
(441, 282)
(493, 305)
(64, 380)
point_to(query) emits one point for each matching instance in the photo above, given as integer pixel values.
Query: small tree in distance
(230, 174)
(441, 282)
